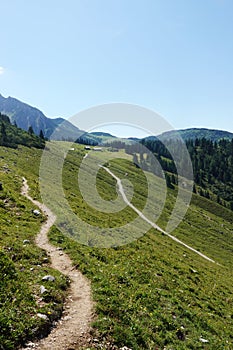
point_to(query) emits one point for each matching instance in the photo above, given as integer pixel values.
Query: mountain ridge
(25, 116)
(12, 136)
(59, 128)
(194, 133)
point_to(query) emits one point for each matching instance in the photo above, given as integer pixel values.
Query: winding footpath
(121, 190)
(72, 331)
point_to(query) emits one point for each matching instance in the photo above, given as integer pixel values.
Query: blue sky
(172, 56)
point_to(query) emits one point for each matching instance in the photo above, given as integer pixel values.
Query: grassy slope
(150, 293)
(22, 265)
(153, 292)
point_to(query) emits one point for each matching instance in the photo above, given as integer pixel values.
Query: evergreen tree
(41, 135)
(30, 130)
(168, 181)
(135, 159)
(3, 136)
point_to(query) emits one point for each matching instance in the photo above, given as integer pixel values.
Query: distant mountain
(100, 133)
(197, 133)
(102, 137)
(25, 116)
(136, 139)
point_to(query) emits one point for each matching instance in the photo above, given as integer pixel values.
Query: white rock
(66, 318)
(45, 317)
(43, 290)
(48, 278)
(36, 212)
(203, 340)
(30, 345)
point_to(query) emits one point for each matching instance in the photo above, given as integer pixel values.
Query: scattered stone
(36, 212)
(49, 278)
(45, 260)
(66, 318)
(30, 345)
(26, 241)
(5, 169)
(192, 270)
(13, 257)
(32, 269)
(43, 290)
(45, 317)
(203, 340)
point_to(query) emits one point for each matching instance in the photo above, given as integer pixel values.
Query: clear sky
(173, 56)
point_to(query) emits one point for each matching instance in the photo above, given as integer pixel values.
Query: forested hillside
(213, 168)
(197, 133)
(212, 164)
(12, 136)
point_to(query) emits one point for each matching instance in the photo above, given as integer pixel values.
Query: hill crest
(194, 133)
(25, 116)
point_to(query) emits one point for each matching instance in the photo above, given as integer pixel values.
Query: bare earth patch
(73, 330)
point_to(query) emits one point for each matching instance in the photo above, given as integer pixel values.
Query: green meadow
(150, 292)
(22, 264)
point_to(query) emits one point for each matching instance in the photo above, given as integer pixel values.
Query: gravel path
(72, 331)
(121, 190)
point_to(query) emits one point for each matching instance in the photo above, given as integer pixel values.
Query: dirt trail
(72, 331)
(121, 190)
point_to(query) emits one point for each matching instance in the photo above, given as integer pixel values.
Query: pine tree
(168, 181)
(30, 130)
(3, 136)
(231, 205)
(41, 135)
(135, 159)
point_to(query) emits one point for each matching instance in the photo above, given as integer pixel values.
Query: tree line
(12, 136)
(212, 163)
